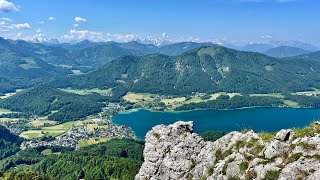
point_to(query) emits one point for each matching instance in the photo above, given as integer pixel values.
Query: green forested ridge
(117, 158)
(225, 102)
(25, 64)
(206, 69)
(100, 55)
(179, 48)
(11, 84)
(88, 55)
(9, 143)
(285, 51)
(20, 69)
(42, 100)
(23, 175)
(311, 57)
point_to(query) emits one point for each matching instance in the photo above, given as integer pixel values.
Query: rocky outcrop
(175, 152)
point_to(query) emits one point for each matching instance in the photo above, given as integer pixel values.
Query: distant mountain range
(261, 46)
(285, 51)
(264, 46)
(172, 68)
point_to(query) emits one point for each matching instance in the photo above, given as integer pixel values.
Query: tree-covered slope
(311, 57)
(179, 48)
(19, 71)
(285, 51)
(115, 159)
(206, 69)
(9, 143)
(81, 55)
(100, 55)
(42, 100)
(14, 65)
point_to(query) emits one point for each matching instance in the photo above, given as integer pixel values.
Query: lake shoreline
(200, 109)
(259, 119)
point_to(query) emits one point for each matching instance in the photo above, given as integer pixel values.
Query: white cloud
(79, 19)
(2, 23)
(76, 25)
(41, 22)
(39, 30)
(21, 26)
(6, 19)
(52, 18)
(6, 6)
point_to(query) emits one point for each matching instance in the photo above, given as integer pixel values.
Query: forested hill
(285, 51)
(15, 65)
(42, 100)
(9, 143)
(205, 69)
(115, 159)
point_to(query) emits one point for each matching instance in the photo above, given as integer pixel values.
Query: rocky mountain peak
(175, 152)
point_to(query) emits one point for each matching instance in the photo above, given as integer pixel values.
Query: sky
(232, 21)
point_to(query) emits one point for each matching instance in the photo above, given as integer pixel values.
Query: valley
(62, 102)
(159, 90)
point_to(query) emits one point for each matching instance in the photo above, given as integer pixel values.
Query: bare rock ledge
(175, 152)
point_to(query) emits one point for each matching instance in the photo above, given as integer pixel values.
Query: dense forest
(225, 102)
(206, 70)
(42, 100)
(9, 143)
(115, 159)
(23, 175)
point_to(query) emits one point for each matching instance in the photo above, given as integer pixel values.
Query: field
(148, 101)
(91, 141)
(2, 120)
(49, 152)
(276, 95)
(173, 101)
(79, 124)
(48, 131)
(291, 103)
(7, 95)
(32, 134)
(137, 97)
(145, 99)
(38, 123)
(91, 127)
(4, 111)
(76, 72)
(104, 92)
(316, 92)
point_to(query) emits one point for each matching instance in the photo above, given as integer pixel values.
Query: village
(76, 134)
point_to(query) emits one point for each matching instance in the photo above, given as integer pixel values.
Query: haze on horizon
(233, 21)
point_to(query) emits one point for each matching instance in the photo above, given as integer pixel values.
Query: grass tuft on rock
(310, 130)
(272, 175)
(243, 166)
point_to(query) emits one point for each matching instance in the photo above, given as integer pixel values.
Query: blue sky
(234, 21)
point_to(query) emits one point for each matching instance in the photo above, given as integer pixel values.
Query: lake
(258, 119)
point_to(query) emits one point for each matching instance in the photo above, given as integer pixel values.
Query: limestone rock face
(175, 152)
(285, 135)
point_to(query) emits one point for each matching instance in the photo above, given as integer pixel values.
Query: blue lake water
(258, 119)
